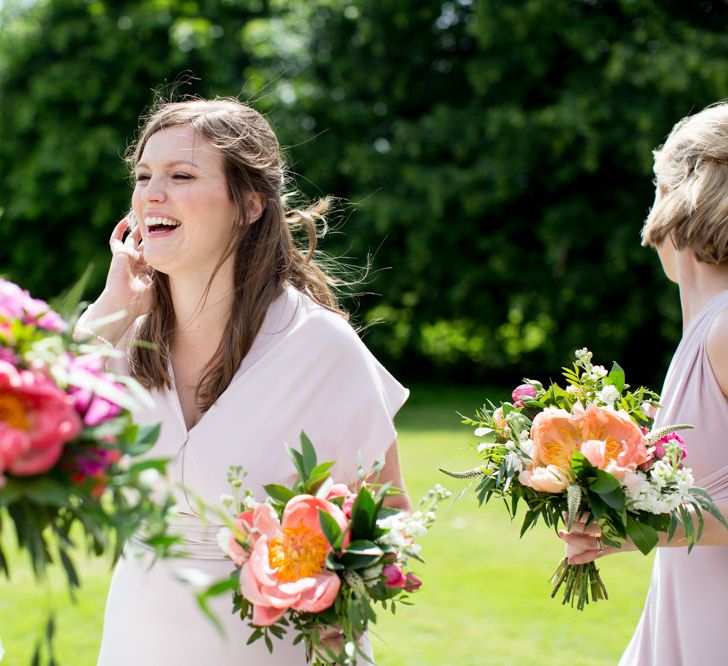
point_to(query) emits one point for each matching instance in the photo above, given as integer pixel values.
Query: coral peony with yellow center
(298, 552)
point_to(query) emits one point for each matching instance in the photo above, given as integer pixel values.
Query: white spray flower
(609, 395)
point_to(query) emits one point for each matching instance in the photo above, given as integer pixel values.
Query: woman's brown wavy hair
(265, 253)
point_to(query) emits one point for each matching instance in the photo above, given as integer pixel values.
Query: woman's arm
(392, 473)
(717, 348)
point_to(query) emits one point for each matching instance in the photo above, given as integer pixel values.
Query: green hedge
(494, 156)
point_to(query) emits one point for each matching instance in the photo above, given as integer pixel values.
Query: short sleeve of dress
(357, 398)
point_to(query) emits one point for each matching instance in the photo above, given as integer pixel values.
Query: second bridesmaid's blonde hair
(691, 168)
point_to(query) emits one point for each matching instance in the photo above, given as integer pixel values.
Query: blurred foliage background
(494, 156)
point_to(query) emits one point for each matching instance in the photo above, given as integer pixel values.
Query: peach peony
(36, 420)
(549, 479)
(612, 440)
(556, 435)
(286, 568)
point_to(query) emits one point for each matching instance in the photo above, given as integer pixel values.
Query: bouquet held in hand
(317, 556)
(68, 443)
(586, 450)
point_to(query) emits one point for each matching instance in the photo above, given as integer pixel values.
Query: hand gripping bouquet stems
(588, 449)
(69, 474)
(319, 555)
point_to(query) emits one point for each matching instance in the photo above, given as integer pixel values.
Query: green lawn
(485, 599)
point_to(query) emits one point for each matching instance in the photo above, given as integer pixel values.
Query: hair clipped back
(692, 174)
(264, 253)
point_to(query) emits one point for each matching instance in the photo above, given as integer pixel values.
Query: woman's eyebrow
(169, 164)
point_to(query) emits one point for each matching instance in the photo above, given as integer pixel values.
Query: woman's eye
(140, 177)
(182, 176)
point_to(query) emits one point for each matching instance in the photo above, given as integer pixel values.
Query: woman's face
(181, 199)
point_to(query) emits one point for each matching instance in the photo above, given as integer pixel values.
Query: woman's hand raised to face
(128, 288)
(129, 281)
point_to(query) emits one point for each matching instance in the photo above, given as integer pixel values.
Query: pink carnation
(16, 303)
(36, 420)
(672, 437)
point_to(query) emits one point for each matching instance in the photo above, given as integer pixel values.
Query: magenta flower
(393, 576)
(412, 583)
(521, 392)
(16, 303)
(93, 408)
(674, 437)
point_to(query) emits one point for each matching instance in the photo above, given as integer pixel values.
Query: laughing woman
(684, 620)
(250, 348)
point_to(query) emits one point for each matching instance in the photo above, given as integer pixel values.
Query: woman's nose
(154, 190)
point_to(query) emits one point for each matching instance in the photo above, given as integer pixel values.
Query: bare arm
(392, 473)
(717, 348)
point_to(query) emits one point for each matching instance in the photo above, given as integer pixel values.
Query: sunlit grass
(485, 599)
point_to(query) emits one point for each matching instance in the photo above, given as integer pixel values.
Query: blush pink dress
(686, 615)
(307, 370)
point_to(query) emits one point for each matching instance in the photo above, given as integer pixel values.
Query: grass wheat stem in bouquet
(586, 450)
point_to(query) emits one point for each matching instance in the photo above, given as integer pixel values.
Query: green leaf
(573, 501)
(616, 377)
(603, 483)
(363, 515)
(279, 493)
(331, 530)
(309, 454)
(66, 305)
(642, 535)
(361, 554)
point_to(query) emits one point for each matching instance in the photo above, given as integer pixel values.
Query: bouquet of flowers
(587, 449)
(318, 556)
(68, 443)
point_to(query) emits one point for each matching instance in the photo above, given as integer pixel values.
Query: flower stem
(582, 584)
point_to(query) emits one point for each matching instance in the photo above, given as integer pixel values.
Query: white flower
(485, 445)
(249, 503)
(527, 447)
(415, 528)
(414, 549)
(599, 371)
(583, 355)
(515, 461)
(393, 522)
(609, 395)
(482, 431)
(349, 648)
(223, 540)
(149, 478)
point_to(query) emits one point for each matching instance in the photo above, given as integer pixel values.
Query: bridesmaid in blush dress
(250, 348)
(686, 611)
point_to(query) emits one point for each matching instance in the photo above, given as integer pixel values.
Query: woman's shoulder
(323, 326)
(716, 345)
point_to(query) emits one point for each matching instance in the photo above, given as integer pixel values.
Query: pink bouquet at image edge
(37, 417)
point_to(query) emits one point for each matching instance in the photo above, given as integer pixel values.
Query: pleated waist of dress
(198, 539)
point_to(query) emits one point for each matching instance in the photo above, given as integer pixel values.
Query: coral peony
(36, 419)
(286, 567)
(612, 440)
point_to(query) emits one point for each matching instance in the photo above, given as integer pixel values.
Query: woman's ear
(255, 203)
